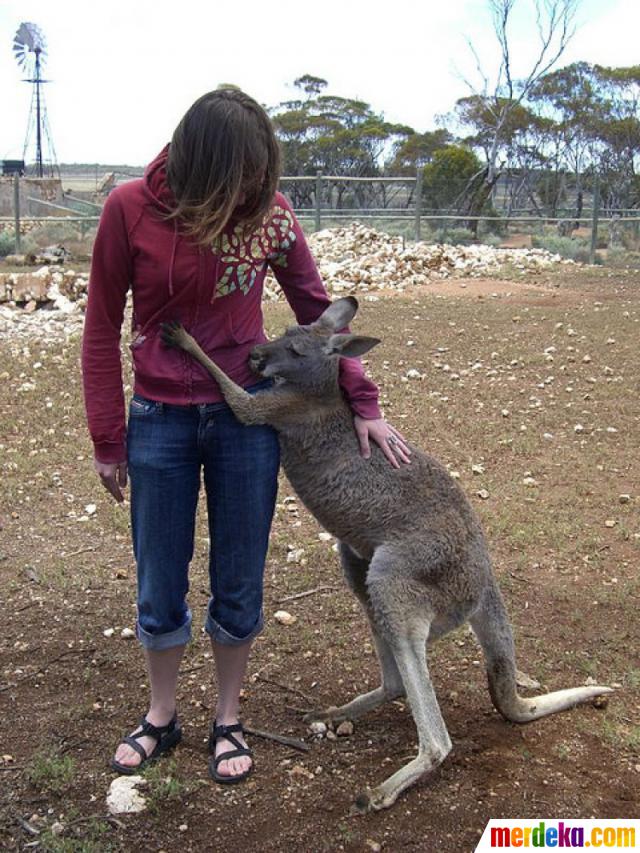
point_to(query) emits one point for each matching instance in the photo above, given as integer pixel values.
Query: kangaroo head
(307, 356)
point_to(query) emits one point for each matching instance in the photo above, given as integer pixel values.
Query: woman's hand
(113, 476)
(387, 437)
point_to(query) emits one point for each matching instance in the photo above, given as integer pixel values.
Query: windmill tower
(30, 50)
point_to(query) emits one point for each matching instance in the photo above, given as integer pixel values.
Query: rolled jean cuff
(220, 635)
(160, 642)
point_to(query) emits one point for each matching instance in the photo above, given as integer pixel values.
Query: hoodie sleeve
(296, 271)
(101, 360)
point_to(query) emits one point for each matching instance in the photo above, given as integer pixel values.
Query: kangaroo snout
(257, 360)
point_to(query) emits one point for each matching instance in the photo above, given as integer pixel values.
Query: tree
(447, 176)
(333, 134)
(416, 150)
(503, 100)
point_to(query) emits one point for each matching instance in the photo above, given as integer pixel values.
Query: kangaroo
(411, 545)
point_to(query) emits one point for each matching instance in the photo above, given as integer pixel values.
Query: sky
(123, 73)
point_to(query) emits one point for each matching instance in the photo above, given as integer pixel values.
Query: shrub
(454, 236)
(7, 243)
(573, 249)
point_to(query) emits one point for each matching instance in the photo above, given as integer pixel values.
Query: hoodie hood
(156, 187)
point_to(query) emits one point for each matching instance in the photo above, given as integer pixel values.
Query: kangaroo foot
(356, 708)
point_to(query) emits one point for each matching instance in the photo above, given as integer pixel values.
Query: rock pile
(63, 293)
(352, 259)
(63, 290)
(356, 258)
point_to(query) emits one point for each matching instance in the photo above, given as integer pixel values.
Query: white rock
(317, 727)
(123, 796)
(284, 618)
(127, 634)
(295, 556)
(109, 632)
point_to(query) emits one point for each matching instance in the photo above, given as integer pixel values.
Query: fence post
(16, 211)
(318, 193)
(418, 234)
(594, 219)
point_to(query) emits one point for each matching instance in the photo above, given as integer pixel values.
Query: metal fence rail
(414, 209)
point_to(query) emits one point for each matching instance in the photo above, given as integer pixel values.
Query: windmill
(30, 50)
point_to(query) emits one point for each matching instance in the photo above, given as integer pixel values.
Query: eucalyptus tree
(497, 105)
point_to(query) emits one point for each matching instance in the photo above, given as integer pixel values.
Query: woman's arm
(101, 361)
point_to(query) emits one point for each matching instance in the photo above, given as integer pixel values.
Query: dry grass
(538, 385)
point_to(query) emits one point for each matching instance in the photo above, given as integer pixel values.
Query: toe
(126, 756)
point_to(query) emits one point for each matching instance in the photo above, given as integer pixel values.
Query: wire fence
(323, 200)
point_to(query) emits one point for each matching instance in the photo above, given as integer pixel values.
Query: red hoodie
(216, 295)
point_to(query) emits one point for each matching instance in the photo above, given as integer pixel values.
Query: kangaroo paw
(174, 335)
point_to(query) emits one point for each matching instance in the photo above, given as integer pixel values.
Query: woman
(193, 240)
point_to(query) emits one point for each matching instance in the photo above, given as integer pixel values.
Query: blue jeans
(168, 448)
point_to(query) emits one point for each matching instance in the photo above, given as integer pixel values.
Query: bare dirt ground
(534, 382)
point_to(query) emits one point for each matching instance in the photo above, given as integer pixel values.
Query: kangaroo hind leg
(404, 616)
(355, 570)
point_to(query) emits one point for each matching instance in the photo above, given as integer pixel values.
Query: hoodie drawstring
(173, 256)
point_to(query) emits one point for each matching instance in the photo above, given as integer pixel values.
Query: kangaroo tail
(491, 626)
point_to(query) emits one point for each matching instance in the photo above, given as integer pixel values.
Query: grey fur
(411, 545)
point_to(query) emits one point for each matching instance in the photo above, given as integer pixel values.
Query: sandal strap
(231, 753)
(147, 729)
(137, 747)
(226, 732)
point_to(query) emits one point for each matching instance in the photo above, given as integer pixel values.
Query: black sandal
(226, 732)
(167, 736)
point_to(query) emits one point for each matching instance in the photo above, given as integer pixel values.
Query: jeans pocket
(141, 407)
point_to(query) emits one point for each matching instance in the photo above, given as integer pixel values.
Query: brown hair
(223, 149)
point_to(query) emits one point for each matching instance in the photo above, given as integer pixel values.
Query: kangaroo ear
(339, 314)
(350, 346)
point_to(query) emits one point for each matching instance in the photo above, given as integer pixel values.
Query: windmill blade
(29, 39)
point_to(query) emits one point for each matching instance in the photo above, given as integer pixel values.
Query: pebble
(345, 729)
(109, 632)
(317, 727)
(127, 634)
(283, 617)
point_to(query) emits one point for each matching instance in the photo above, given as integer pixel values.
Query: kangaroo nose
(257, 360)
